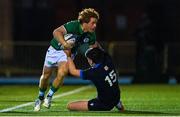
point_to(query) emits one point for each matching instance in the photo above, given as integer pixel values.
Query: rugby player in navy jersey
(103, 75)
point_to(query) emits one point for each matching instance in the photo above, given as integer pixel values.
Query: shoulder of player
(72, 26)
(73, 22)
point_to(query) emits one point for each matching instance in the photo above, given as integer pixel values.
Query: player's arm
(58, 33)
(72, 68)
(93, 42)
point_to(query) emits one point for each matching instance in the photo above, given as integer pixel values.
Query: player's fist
(67, 46)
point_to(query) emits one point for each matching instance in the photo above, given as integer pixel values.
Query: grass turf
(139, 100)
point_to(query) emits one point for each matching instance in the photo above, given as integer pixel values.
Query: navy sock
(41, 93)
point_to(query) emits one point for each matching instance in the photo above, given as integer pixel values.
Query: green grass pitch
(139, 100)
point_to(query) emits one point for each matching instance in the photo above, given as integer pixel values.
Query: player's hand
(67, 46)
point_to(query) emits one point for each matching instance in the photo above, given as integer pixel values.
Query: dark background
(36, 19)
(141, 35)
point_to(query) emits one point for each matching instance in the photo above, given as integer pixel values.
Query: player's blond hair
(86, 14)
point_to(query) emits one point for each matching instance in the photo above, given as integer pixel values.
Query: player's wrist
(65, 44)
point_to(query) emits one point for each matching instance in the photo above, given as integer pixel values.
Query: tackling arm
(72, 68)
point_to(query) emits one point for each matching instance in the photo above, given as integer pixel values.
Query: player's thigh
(62, 64)
(62, 68)
(78, 105)
(47, 71)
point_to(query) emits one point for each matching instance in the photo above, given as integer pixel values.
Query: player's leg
(49, 63)
(120, 106)
(78, 106)
(97, 105)
(91, 105)
(43, 84)
(61, 73)
(44, 81)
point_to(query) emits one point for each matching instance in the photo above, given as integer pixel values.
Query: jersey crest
(86, 40)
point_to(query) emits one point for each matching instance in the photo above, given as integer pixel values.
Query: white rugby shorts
(53, 57)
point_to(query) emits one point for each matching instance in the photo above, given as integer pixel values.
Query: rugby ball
(70, 39)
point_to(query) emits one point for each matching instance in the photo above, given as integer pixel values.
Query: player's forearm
(59, 35)
(72, 68)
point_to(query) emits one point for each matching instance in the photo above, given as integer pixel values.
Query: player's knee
(45, 76)
(68, 106)
(62, 72)
(72, 107)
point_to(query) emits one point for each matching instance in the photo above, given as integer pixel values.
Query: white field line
(57, 96)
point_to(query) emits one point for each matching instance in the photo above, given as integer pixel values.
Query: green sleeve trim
(55, 44)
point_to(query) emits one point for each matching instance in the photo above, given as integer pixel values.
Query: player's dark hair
(97, 55)
(86, 14)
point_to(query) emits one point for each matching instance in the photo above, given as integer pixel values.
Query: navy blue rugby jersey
(104, 77)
